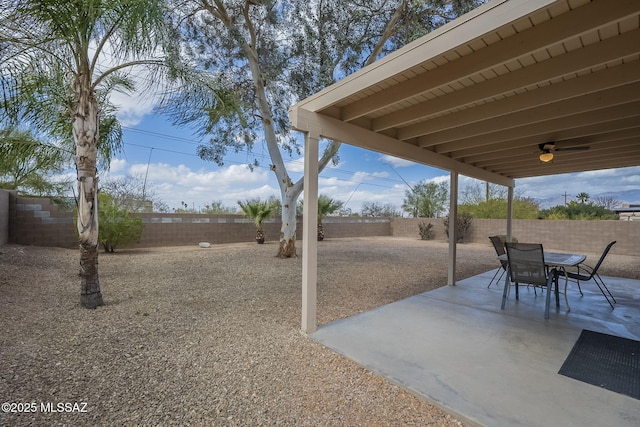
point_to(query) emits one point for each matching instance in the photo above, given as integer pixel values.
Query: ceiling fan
(548, 148)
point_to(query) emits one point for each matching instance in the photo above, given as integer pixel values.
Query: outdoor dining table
(556, 260)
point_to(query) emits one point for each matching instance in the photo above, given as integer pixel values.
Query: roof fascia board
(486, 18)
(328, 127)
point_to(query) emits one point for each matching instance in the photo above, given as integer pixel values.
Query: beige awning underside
(480, 94)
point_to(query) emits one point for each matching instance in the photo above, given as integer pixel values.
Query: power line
(299, 174)
(247, 152)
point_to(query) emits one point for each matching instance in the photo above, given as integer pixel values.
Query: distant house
(629, 212)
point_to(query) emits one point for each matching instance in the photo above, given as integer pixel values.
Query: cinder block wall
(191, 229)
(569, 236)
(36, 221)
(409, 227)
(354, 227)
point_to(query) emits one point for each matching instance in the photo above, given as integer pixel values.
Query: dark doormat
(605, 361)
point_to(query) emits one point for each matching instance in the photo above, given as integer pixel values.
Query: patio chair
(498, 245)
(589, 273)
(526, 265)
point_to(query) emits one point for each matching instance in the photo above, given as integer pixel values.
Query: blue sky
(176, 174)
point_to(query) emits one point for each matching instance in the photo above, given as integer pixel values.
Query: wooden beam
(337, 130)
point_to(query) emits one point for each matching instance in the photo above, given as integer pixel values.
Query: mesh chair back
(497, 245)
(604, 254)
(526, 263)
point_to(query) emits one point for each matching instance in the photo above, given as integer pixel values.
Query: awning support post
(453, 235)
(310, 234)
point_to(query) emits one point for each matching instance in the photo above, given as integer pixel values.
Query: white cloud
(117, 165)
(396, 162)
(364, 176)
(334, 182)
(557, 187)
(131, 109)
(174, 185)
(295, 165)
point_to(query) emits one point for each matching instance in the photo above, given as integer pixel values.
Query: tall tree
(426, 200)
(69, 55)
(281, 51)
(477, 192)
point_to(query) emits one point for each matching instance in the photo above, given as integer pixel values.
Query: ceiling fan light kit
(546, 157)
(547, 149)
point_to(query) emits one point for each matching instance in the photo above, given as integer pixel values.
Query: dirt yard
(195, 336)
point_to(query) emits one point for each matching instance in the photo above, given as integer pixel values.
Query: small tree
(607, 202)
(134, 194)
(258, 211)
(326, 206)
(426, 230)
(117, 226)
(463, 222)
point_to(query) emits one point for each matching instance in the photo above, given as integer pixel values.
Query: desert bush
(117, 226)
(426, 230)
(463, 223)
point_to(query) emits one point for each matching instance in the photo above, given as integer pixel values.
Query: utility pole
(565, 198)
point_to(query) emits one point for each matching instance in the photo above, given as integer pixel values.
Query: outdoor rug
(605, 361)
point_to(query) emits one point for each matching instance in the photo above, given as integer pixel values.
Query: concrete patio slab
(493, 367)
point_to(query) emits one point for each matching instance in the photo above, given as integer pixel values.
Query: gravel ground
(193, 336)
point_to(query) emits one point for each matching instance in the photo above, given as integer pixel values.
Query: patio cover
(479, 95)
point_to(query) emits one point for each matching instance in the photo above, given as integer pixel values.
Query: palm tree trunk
(260, 236)
(86, 135)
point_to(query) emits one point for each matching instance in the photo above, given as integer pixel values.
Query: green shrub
(117, 226)
(578, 211)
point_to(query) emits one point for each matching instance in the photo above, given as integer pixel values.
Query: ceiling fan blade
(577, 148)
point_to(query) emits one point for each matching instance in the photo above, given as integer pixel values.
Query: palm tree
(26, 164)
(68, 56)
(326, 206)
(258, 211)
(583, 197)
